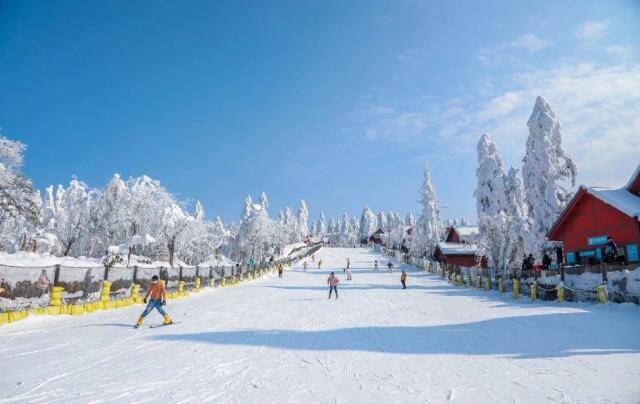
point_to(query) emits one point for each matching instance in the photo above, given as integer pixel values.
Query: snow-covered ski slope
(280, 340)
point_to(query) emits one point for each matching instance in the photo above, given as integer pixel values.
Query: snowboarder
(280, 270)
(390, 267)
(348, 270)
(375, 265)
(333, 281)
(156, 298)
(403, 279)
(319, 264)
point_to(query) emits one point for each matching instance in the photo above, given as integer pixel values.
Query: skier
(333, 281)
(390, 267)
(280, 270)
(403, 279)
(375, 265)
(156, 297)
(319, 264)
(348, 270)
(611, 251)
(304, 264)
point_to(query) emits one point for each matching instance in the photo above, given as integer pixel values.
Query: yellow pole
(501, 285)
(516, 288)
(560, 289)
(534, 290)
(602, 294)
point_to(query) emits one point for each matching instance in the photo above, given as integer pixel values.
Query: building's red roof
(625, 200)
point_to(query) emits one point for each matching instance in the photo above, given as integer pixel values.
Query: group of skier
(333, 280)
(156, 296)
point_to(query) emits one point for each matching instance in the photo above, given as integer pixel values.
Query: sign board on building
(632, 253)
(597, 240)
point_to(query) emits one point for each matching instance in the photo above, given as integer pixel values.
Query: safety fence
(76, 290)
(604, 282)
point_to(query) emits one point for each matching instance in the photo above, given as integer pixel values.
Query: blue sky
(339, 103)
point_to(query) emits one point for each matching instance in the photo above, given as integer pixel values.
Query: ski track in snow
(282, 341)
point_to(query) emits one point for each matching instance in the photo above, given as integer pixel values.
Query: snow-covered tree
(198, 212)
(314, 228)
(110, 217)
(491, 203)
(368, 223)
(546, 167)
(409, 221)
(264, 202)
(382, 220)
(302, 221)
(332, 226)
(502, 215)
(518, 226)
(72, 216)
(322, 225)
(427, 230)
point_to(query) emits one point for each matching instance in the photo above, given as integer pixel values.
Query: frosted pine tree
(368, 223)
(546, 166)
(491, 203)
(314, 228)
(332, 226)
(302, 218)
(264, 202)
(345, 229)
(409, 221)
(198, 212)
(322, 225)
(427, 229)
(518, 225)
(382, 221)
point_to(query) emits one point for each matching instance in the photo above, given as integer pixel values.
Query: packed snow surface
(280, 340)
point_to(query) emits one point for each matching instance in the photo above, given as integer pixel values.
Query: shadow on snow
(522, 337)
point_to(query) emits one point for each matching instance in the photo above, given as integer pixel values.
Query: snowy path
(281, 340)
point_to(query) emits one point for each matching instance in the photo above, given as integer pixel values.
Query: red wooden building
(595, 214)
(459, 247)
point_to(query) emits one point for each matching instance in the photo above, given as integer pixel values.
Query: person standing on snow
(375, 265)
(156, 297)
(348, 265)
(390, 267)
(304, 264)
(333, 281)
(319, 264)
(546, 261)
(280, 270)
(403, 279)
(348, 274)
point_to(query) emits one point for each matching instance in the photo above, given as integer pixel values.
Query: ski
(164, 325)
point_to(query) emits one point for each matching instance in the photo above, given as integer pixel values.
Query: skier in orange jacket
(156, 297)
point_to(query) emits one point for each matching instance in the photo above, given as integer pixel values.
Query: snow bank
(29, 259)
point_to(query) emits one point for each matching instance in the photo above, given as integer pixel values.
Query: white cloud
(620, 50)
(496, 54)
(591, 31)
(598, 105)
(529, 42)
(398, 127)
